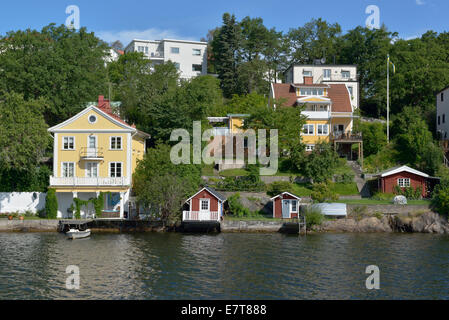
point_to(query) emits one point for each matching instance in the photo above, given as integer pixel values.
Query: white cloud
(126, 36)
(420, 2)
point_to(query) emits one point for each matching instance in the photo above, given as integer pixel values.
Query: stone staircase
(361, 183)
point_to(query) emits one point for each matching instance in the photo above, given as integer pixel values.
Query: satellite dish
(323, 60)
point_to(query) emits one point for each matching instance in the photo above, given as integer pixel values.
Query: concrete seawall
(251, 226)
(29, 225)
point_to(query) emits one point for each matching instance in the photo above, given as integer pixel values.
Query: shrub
(51, 204)
(358, 212)
(314, 217)
(249, 183)
(440, 198)
(409, 193)
(321, 193)
(383, 196)
(279, 187)
(345, 178)
(236, 207)
(99, 204)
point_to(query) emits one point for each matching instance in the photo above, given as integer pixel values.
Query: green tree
(64, 66)
(163, 186)
(321, 163)
(51, 204)
(23, 132)
(374, 137)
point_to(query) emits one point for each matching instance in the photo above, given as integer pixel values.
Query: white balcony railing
(317, 114)
(200, 216)
(221, 131)
(90, 182)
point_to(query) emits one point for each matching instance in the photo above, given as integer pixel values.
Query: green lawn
(208, 171)
(254, 218)
(302, 190)
(345, 189)
(234, 173)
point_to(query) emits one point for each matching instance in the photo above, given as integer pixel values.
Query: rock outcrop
(428, 222)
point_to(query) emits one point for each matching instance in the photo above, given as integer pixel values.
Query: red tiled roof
(105, 106)
(338, 93)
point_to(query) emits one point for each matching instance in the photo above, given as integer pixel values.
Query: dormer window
(312, 92)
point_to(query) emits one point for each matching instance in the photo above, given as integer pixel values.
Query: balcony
(89, 182)
(156, 55)
(218, 132)
(198, 216)
(347, 136)
(92, 154)
(320, 115)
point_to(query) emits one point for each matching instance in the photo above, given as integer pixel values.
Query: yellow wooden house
(95, 151)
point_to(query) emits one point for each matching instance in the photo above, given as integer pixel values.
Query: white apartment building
(190, 57)
(327, 74)
(443, 114)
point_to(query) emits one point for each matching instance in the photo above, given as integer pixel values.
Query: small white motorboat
(77, 234)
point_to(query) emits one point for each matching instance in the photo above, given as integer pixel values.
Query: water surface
(224, 266)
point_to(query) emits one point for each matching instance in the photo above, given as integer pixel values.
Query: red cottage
(406, 177)
(205, 206)
(286, 206)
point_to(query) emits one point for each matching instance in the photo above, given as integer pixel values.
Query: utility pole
(388, 99)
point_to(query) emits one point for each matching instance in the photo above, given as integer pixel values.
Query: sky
(125, 20)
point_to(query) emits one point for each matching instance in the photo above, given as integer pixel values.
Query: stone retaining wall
(251, 226)
(29, 225)
(387, 208)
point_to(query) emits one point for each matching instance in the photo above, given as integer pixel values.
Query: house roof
(290, 194)
(212, 191)
(399, 169)
(337, 93)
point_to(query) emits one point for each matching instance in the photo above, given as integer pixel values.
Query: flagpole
(388, 99)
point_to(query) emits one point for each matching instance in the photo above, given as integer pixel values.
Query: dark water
(224, 266)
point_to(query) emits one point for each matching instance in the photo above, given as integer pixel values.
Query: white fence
(12, 202)
(200, 216)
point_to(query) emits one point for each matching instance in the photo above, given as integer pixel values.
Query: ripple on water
(224, 266)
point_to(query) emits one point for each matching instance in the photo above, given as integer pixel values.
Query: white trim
(404, 180)
(62, 169)
(109, 169)
(55, 155)
(290, 194)
(291, 207)
(201, 205)
(87, 110)
(93, 130)
(202, 191)
(289, 210)
(88, 141)
(406, 169)
(324, 135)
(129, 158)
(121, 143)
(94, 116)
(308, 134)
(87, 169)
(74, 143)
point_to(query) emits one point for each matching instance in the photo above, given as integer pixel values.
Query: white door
(92, 146)
(286, 209)
(92, 170)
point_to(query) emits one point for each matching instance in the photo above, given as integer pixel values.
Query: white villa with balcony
(189, 57)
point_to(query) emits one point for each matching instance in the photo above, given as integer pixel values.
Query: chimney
(308, 80)
(100, 100)
(104, 105)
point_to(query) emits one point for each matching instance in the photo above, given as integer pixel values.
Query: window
(92, 119)
(146, 50)
(177, 65)
(308, 129)
(197, 67)
(294, 206)
(115, 169)
(327, 74)
(307, 73)
(310, 147)
(442, 96)
(205, 204)
(444, 118)
(68, 169)
(345, 74)
(174, 50)
(140, 48)
(439, 120)
(323, 130)
(68, 143)
(196, 52)
(116, 143)
(351, 91)
(91, 169)
(404, 183)
(339, 128)
(312, 92)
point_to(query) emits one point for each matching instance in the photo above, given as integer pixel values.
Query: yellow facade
(95, 152)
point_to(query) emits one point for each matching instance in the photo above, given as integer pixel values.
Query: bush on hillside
(322, 193)
(51, 204)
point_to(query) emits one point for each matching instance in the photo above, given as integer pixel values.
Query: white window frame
(68, 143)
(310, 147)
(201, 205)
(296, 206)
(171, 50)
(110, 143)
(88, 171)
(404, 182)
(92, 115)
(115, 169)
(194, 51)
(307, 73)
(62, 169)
(343, 72)
(324, 74)
(322, 127)
(309, 134)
